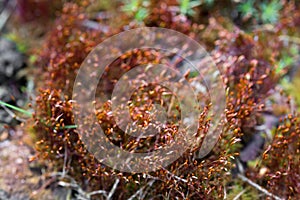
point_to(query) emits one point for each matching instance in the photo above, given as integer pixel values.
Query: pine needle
(28, 113)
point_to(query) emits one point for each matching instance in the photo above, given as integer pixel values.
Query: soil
(21, 179)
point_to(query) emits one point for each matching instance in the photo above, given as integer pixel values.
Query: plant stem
(258, 187)
(16, 108)
(69, 127)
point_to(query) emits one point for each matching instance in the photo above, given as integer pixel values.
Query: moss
(248, 63)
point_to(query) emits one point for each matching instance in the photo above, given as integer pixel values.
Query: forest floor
(21, 178)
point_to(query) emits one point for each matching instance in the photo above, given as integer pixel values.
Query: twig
(176, 177)
(65, 160)
(150, 183)
(98, 192)
(225, 193)
(66, 184)
(113, 189)
(239, 194)
(82, 195)
(6, 13)
(143, 194)
(44, 186)
(258, 187)
(60, 174)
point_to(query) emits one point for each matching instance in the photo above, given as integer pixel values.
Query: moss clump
(249, 75)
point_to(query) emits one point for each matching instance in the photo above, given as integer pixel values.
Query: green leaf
(21, 45)
(33, 58)
(131, 6)
(247, 8)
(270, 11)
(184, 6)
(141, 14)
(69, 127)
(284, 62)
(16, 108)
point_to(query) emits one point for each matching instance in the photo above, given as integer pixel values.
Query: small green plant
(247, 8)
(270, 11)
(284, 62)
(287, 60)
(137, 8)
(186, 6)
(265, 12)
